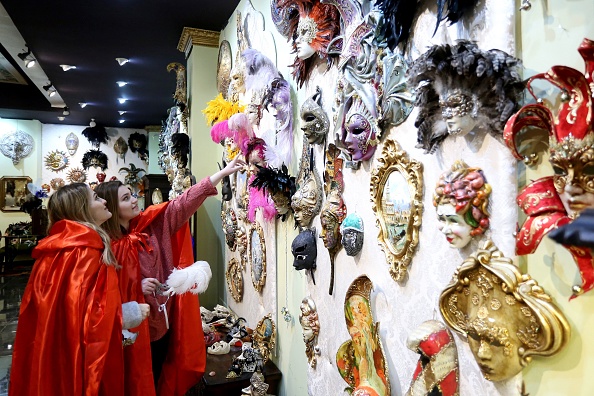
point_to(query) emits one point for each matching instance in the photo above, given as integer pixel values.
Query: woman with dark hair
(169, 354)
(69, 338)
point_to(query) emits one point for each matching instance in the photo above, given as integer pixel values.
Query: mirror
(234, 278)
(397, 201)
(257, 252)
(265, 337)
(13, 192)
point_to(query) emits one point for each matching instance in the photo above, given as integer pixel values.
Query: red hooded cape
(69, 338)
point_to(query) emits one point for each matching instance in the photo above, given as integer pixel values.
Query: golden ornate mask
(506, 317)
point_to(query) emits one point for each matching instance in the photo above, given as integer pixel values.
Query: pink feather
(220, 131)
(260, 199)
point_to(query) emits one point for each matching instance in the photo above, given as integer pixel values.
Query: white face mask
(453, 226)
(219, 348)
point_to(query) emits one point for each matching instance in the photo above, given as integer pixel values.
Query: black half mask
(304, 250)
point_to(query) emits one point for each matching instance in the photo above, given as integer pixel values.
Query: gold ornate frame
(257, 228)
(234, 278)
(395, 159)
(264, 343)
(20, 183)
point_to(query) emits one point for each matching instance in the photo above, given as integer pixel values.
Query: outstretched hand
(232, 167)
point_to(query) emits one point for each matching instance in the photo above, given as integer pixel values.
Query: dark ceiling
(90, 35)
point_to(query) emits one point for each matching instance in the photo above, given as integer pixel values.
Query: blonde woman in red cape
(169, 354)
(69, 336)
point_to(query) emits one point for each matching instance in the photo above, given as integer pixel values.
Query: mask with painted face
(360, 131)
(315, 121)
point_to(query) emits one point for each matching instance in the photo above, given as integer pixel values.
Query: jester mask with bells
(461, 199)
(360, 360)
(461, 88)
(314, 120)
(505, 315)
(556, 200)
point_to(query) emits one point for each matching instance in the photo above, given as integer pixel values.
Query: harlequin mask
(315, 121)
(504, 314)
(360, 131)
(307, 200)
(304, 250)
(352, 234)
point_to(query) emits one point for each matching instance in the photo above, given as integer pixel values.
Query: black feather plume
(94, 158)
(95, 135)
(398, 17)
(180, 148)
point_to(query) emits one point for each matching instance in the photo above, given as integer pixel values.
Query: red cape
(69, 339)
(186, 356)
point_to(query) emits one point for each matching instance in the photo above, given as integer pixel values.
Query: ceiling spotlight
(66, 111)
(121, 83)
(122, 61)
(122, 100)
(122, 121)
(27, 58)
(122, 112)
(49, 88)
(83, 104)
(92, 123)
(61, 118)
(67, 67)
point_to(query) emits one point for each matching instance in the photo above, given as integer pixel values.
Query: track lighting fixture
(121, 83)
(61, 118)
(83, 104)
(122, 100)
(122, 61)
(27, 58)
(122, 121)
(66, 111)
(67, 67)
(49, 88)
(122, 112)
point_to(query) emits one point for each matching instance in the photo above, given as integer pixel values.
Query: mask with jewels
(506, 317)
(315, 121)
(352, 234)
(307, 200)
(360, 131)
(304, 250)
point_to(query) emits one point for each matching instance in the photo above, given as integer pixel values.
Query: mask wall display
(57, 183)
(314, 120)
(265, 337)
(76, 175)
(95, 134)
(121, 148)
(100, 176)
(333, 209)
(310, 323)
(138, 143)
(437, 371)
(257, 255)
(462, 198)
(224, 65)
(234, 278)
(57, 160)
(95, 159)
(505, 315)
(555, 200)
(352, 234)
(220, 133)
(260, 72)
(361, 361)
(279, 185)
(397, 199)
(229, 220)
(307, 200)
(132, 175)
(471, 90)
(279, 145)
(310, 26)
(305, 251)
(71, 143)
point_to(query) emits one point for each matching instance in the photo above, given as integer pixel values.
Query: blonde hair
(71, 202)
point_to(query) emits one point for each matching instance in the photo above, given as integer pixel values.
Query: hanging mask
(71, 143)
(226, 191)
(307, 200)
(360, 131)
(230, 228)
(304, 250)
(352, 234)
(315, 121)
(121, 148)
(95, 159)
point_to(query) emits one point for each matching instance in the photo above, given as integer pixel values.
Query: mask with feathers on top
(94, 158)
(96, 135)
(138, 143)
(280, 186)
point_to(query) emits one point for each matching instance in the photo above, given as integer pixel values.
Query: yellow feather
(220, 109)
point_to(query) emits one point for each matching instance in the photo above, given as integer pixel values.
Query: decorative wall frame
(56, 160)
(265, 337)
(16, 145)
(257, 255)
(13, 191)
(234, 278)
(224, 65)
(398, 223)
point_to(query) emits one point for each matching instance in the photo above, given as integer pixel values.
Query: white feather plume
(193, 279)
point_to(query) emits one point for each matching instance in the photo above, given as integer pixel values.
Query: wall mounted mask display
(310, 26)
(279, 146)
(279, 185)
(310, 323)
(95, 134)
(333, 209)
(241, 237)
(234, 278)
(224, 65)
(121, 148)
(138, 143)
(307, 200)
(471, 90)
(361, 361)
(397, 201)
(265, 337)
(305, 251)
(16, 146)
(76, 175)
(505, 315)
(257, 255)
(57, 183)
(555, 200)
(461, 199)
(95, 159)
(437, 371)
(57, 160)
(220, 133)
(71, 143)
(314, 120)
(229, 220)
(352, 234)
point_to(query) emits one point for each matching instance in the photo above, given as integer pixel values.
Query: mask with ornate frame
(230, 227)
(241, 238)
(257, 254)
(505, 315)
(364, 349)
(234, 278)
(308, 318)
(396, 179)
(265, 337)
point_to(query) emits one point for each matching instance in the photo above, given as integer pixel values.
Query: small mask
(457, 112)
(360, 131)
(101, 176)
(121, 148)
(315, 121)
(333, 212)
(352, 234)
(304, 250)
(307, 200)
(71, 143)
(230, 228)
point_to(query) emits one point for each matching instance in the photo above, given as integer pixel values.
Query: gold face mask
(307, 200)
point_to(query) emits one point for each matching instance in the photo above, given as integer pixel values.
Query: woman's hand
(145, 309)
(232, 167)
(150, 285)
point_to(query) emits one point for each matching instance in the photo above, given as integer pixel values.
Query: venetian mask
(121, 148)
(307, 29)
(304, 250)
(101, 176)
(308, 318)
(257, 386)
(71, 143)
(231, 149)
(237, 84)
(219, 348)
(352, 234)
(333, 212)
(307, 200)
(230, 228)
(456, 109)
(505, 315)
(453, 226)
(315, 121)
(360, 131)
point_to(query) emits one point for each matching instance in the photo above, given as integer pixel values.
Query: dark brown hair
(109, 192)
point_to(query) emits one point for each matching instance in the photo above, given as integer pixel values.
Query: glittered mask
(315, 123)
(360, 131)
(307, 200)
(352, 234)
(307, 29)
(304, 250)
(457, 112)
